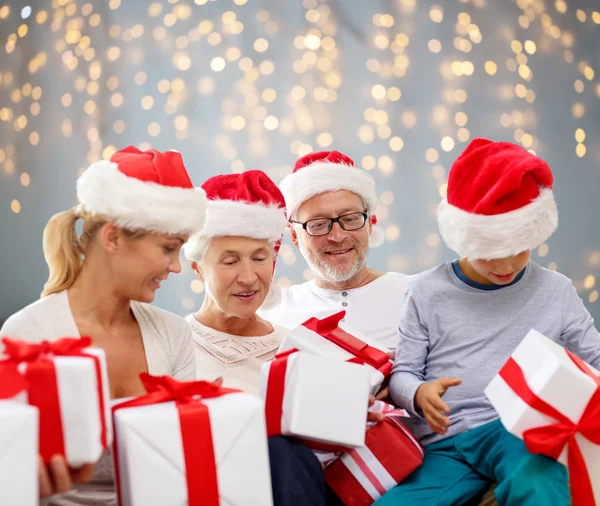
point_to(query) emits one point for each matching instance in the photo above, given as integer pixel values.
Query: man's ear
(198, 270)
(110, 238)
(294, 235)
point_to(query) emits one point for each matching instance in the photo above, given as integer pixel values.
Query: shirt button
(344, 304)
(344, 294)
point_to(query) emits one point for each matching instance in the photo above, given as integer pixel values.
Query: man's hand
(57, 478)
(428, 399)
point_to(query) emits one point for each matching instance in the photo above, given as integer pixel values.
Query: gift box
(362, 475)
(68, 382)
(18, 443)
(325, 337)
(316, 398)
(191, 443)
(550, 398)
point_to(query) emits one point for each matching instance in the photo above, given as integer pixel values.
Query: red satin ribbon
(12, 381)
(43, 388)
(275, 392)
(329, 329)
(196, 435)
(551, 440)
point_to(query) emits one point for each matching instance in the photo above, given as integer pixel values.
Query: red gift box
(362, 475)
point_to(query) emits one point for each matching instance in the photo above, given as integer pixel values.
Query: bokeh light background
(399, 85)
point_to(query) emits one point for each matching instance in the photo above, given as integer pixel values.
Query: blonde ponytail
(62, 251)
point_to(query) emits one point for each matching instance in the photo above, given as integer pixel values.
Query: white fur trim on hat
(243, 219)
(322, 177)
(481, 237)
(240, 219)
(377, 236)
(134, 204)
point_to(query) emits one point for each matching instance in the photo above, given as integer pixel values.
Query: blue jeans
(459, 469)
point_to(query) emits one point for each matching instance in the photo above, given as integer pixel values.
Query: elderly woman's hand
(371, 416)
(57, 478)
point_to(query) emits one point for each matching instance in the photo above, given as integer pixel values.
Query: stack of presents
(197, 443)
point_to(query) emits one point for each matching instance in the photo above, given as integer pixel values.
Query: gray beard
(325, 271)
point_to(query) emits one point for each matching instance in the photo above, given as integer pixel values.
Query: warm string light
(232, 54)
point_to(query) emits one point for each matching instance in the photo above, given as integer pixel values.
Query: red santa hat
(143, 190)
(328, 171)
(243, 205)
(499, 201)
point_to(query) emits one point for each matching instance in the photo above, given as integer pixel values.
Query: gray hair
(196, 247)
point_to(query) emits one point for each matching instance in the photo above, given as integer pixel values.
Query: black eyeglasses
(322, 226)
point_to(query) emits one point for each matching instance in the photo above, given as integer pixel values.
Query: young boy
(462, 320)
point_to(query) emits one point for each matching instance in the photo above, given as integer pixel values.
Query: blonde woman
(138, 209)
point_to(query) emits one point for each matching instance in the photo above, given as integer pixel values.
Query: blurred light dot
(217, 64)
(436, 14)
(312, 42)
(530, 46)
(261, 45)
(34, 138)
(447, 143)
(153, 129)
(408, 119)
(580, 150)
(25, 179)
(271, 123)
(385, 164)
(580, 135)
(461, 119)
(368, 162)
(432, 155)
(26, 12)
(116, 100)
(463, 135)
(589, 282)
(392, 233)
(396, 144)
(66, 100)
(15, 206)
(394, 93)
(324, 140)
(434, 45)
(197, 286)
(490, 67)
(378, 91)
(543, 250)
(147, 102)
(578, 110)
(433, 240)
(593, 296)
(119, 126)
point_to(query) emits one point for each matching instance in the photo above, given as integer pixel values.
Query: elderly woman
(235, 258)
(137, 210)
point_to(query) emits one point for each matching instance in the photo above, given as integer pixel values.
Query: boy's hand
(428, 399)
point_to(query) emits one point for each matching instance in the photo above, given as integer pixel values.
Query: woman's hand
(373, 417)
(57, 478)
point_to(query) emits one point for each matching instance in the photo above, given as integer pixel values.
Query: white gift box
(325, 400)
(308, 340)
(555, 378)
(151, 460)
(18, 454)
(81, 414)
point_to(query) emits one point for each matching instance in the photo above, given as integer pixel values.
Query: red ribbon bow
(551, 440)
(363, 353)
(196, 435)
(22, 351)
(42, 390)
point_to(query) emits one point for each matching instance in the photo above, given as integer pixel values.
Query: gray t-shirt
(449, 328)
